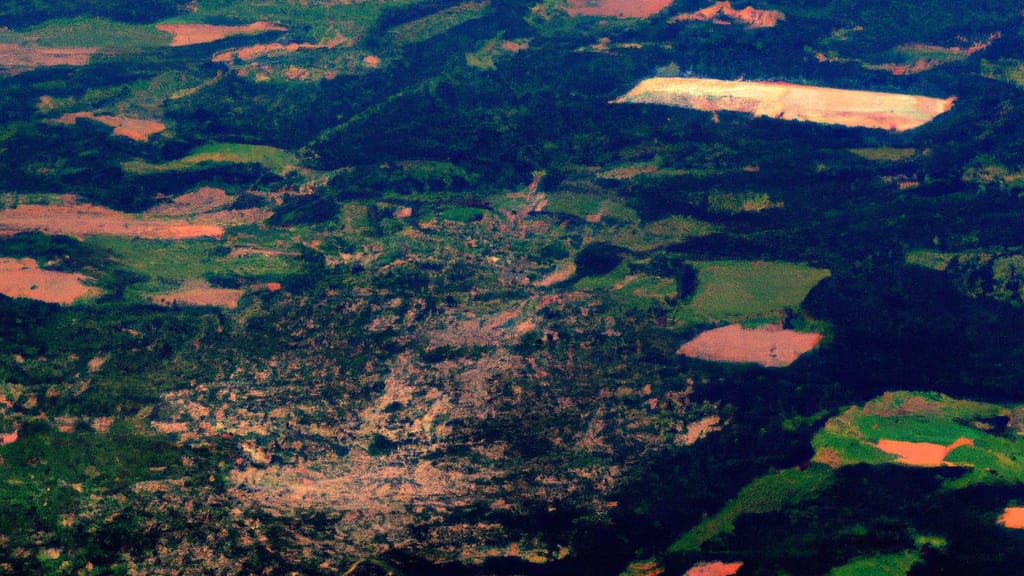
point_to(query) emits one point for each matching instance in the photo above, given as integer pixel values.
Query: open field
(276, 160)
(24, 279)
(200, 293)
(716, 568)
(84, 220)
(919, 429)
(854, 108)
(724, 13)
(617, 8)
(769, 346)
(1013, 517)
(769, 493)
(137, 129)
(16, 58)
(189, 34)
(741, 290)
(898, 564)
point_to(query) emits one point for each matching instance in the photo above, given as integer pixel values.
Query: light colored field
(189, 34)
(137, 129)
(617, 8)
(84, 219)
(734, 291)
(853, 108)
(1013, 517)
(273, 49)
(769, 346)
(714, 569)
(16, 57)
(724, 13)
(24, 279)
(925, 454)
(200, 293)
(884, 154)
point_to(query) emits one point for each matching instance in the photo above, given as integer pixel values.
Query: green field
(898, 564)
(90, 33)
(733, 291)
(771, 493)
(850, 437)
(276, 160)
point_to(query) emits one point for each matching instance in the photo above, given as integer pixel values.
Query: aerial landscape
(538, 287)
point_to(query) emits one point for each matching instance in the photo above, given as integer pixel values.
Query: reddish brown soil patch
(768, 346)
(84, 219)
(188, 34)
(724, 13)
(205, 199)
(371, 61)
(921, 453)
(21, 57)
(250, 53)
(617, 8)
(200, 294)
(135, 128)
(24, 279)
(1013, 517)
(855, 108)
(714, 569)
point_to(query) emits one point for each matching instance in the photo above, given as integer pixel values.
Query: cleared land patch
(200, 293)
(617, 8)
(189, 34)
(781, 100)
(137, 129)
(920, 453)
(717, 568)
(276, 160)
(1013, 517)
(84, 219)
(769, 346)
(23, 278)
(724, 13)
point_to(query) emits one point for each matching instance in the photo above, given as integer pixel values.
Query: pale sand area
(921, 453)
(1013, 517)
(769, 346)
(23, 57)
(200, 293)
(854, 108)
(25, 279)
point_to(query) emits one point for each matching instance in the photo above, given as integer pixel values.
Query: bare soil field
(921, 453)
(769, 346)
(137, 129)
(249, 53)
(617, 8)
(781, 100)
(714, 569)
(17, 58)
(189, 34)
(200, 293)
(724, 13)
(24, 279)
(202, 200)
(1013, 517)
(84, 219)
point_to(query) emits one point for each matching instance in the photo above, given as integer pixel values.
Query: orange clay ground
(724, 13)
(921, 453)
(617, 8)
(23, 57)
(855, 108)
(714, 569)
(769, 346)
(255, 51)
(199, 293)
(24, 279)
(137, 129)
(189, 34)
(84, 219)
(1013, 517)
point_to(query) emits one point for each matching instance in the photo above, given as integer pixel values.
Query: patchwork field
(723, 13)
(137, 129)
(81, 220)
(617, 8)
(853, 108)
(274, 159)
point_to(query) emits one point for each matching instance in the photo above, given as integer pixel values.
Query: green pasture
(898, 564)
(273, 159)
